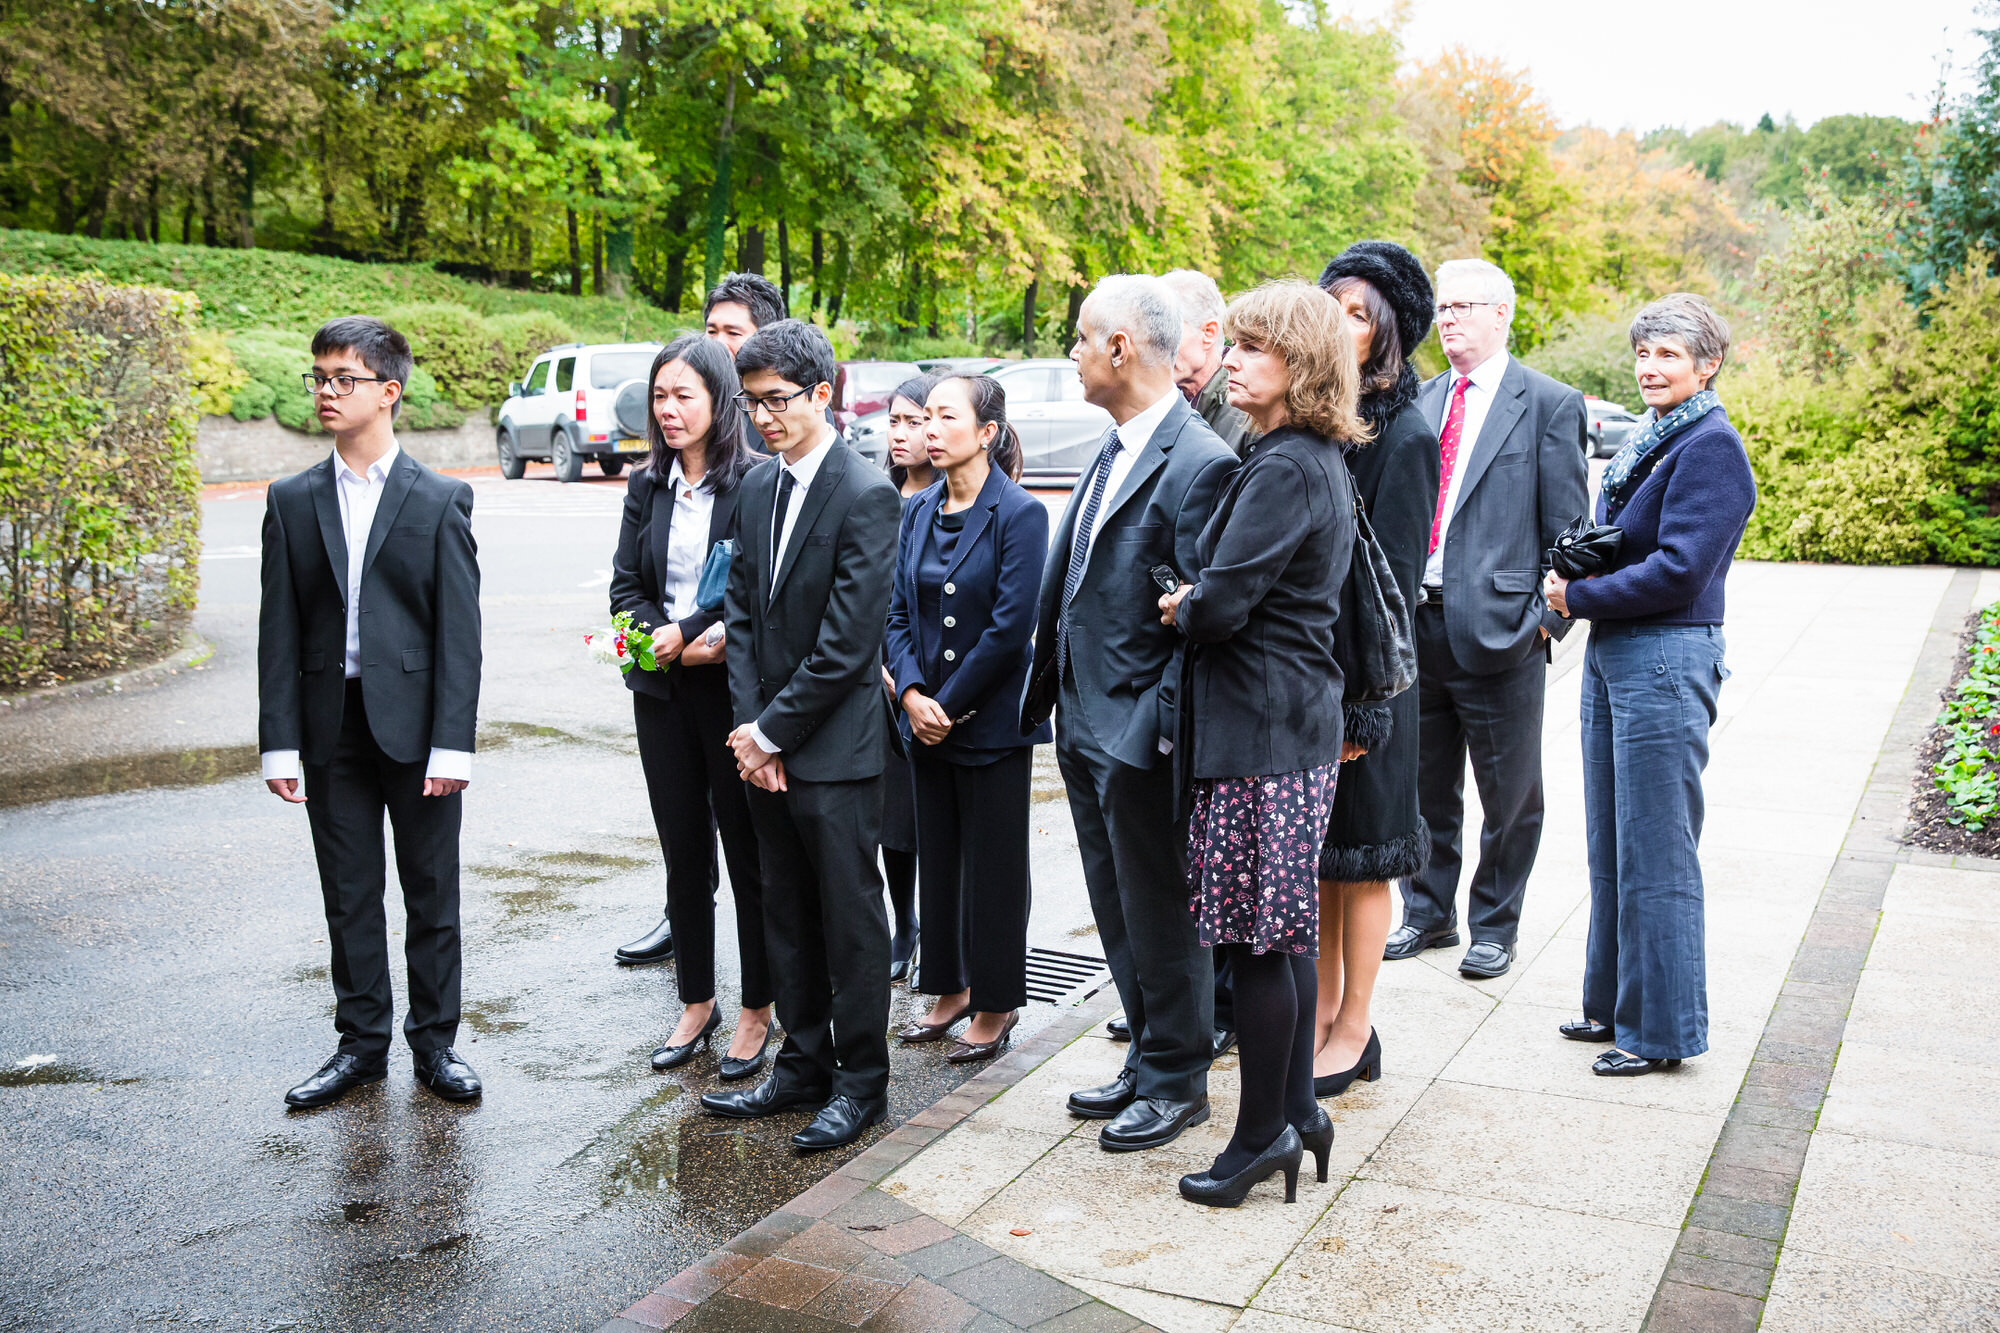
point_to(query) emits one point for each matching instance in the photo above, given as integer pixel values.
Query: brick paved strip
(1728, 1248)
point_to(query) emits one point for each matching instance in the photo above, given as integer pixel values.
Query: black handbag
(1585, 549)
(1373, 639)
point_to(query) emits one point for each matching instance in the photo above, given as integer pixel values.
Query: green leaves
(1966, 772)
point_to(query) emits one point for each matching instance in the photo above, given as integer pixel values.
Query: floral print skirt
(1253, 859)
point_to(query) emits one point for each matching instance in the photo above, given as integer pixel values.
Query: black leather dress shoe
(839, 1123)
(655, 946)
(1150, 1122)
(1486, 959)
(1619, 1064)
(1409, 941)
(667, 1056)
(1586, 1029)
(1119, 1029)
(446, 1073)
(1225, 1042)
(767, 1098)
(734, 1070)
(335, 1079)
(1107, 1099)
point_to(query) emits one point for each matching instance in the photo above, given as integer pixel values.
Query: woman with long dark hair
(677, 507)
(1376, 834)
(961, 629)
(910, 468)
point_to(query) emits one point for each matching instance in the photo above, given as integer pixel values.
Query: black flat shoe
(1224, 1043)
(903, 956)
(1618, 1064)
(1284, 1155)
(1586, 1029)
(673, 1057)
(969, 1052)
(447, 1074)
(1409, 941)
(1486, 959)
(1317, 1136)
(1107, 1099)
(1367, 1069)
(335, 1079)
(733, 1069)
(1118, 1029)
(839, 1123)
(767, 1098)
(655, 946)
(1151, 1122)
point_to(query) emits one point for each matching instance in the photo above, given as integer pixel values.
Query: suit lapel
(755, 497)
(394, 492)
(1431, 400)
(1493, 432)
(976, 521)
(814, 500)
(659, 527)
(326, 507)
(719, 513)
(1151, 459)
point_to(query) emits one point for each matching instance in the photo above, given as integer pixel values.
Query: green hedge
(100, 524)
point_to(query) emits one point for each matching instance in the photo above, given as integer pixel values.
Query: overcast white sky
(1625, 65)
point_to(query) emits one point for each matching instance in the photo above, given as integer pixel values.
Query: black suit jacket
(638, 568)
(806, 637)
(1126, 663)
(420, 648)
(1524, 483)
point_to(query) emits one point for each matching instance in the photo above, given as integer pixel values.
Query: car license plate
(631, 446)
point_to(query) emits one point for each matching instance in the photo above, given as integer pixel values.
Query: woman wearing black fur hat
(1376, 833)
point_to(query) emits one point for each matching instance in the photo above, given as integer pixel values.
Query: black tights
(900, 869)
(1276, 997)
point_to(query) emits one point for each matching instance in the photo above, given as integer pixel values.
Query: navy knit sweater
(1682, 521)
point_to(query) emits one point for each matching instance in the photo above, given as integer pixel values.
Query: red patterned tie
(1454, 428)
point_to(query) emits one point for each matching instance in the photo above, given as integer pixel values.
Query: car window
(872, 380)
(1025, 384)
(1069, 385)
(565, 373)
(608, 370)
(538, 378)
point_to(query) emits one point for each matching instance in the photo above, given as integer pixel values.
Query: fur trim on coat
(1366, 725)
(1396, 859)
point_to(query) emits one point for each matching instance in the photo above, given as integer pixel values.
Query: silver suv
(566, 410)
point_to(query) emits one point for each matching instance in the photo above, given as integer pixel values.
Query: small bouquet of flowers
(624, 645)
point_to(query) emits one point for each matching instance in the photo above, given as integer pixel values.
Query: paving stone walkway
(1489, 1181)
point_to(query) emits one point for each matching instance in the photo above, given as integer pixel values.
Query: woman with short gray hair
(1681, 491)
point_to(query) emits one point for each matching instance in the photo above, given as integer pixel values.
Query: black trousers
(345, 801)
(1135, 867)
(827, 933)
(972, 874)
(1497, 719)
(692, 783)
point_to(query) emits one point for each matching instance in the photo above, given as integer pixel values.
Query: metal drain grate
(1065, 978)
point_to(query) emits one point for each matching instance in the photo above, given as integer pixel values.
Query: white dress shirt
(1485, 379)
(360, 494)
(802, 474)
(687, 542)
(1133, 437)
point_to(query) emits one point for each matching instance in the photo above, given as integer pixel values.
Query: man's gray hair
(1490, 280)
(1146, 309)
(1201, 300)
(1688, 320)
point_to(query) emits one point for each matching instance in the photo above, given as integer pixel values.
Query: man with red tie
(1511, 456)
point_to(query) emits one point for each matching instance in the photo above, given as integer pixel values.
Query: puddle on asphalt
(485, 1017)
(168, 768)
(638, 1153)
(37, 1070)
(548, 877)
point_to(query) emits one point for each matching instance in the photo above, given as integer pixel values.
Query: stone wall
(233, 450)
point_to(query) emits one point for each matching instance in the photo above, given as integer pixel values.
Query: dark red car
(862, 387)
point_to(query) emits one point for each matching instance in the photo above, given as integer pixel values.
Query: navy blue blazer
(977, 662)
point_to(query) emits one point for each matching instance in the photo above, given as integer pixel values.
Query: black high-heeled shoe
(903, 955)
(1284, 1155)
(1368, 1068)
(673, 1057)
(733, 1069)
(1317, 1136)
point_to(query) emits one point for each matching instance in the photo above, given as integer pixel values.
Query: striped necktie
(1079, 550)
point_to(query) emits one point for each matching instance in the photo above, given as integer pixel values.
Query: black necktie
(1079, 550)
(785, 485)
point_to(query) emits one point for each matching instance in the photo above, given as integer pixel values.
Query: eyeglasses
(777, 402)
(342, 385)
(1460, 309)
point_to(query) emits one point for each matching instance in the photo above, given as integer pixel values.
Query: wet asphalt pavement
(163, 979)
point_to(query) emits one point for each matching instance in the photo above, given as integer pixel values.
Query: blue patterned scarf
(1651, 434)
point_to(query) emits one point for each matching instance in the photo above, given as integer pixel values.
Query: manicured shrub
(462, 351)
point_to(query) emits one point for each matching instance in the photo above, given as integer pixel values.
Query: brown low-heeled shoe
(913, 1033)
(965, 1052)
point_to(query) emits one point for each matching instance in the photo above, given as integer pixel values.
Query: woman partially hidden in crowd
(677, 507)
(1261, 720)
(961, 621)
(1376, 833)
(1681, 490)
(910, 468)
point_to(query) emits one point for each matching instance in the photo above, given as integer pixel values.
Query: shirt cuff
(280, 765)
(763, 741)
(452, 765)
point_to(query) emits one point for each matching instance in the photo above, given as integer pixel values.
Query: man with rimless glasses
(368, 661)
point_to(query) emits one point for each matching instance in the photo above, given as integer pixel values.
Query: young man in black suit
(368, 660)
(805, 618)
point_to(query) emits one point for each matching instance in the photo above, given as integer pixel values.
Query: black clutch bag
(1585, 549)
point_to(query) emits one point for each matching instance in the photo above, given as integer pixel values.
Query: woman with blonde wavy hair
(1260, 697)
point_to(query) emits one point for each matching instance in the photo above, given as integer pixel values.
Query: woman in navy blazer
(961, 629)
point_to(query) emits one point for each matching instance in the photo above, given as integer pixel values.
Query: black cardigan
(1263, 689)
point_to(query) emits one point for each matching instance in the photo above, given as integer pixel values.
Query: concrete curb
(192, 655)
